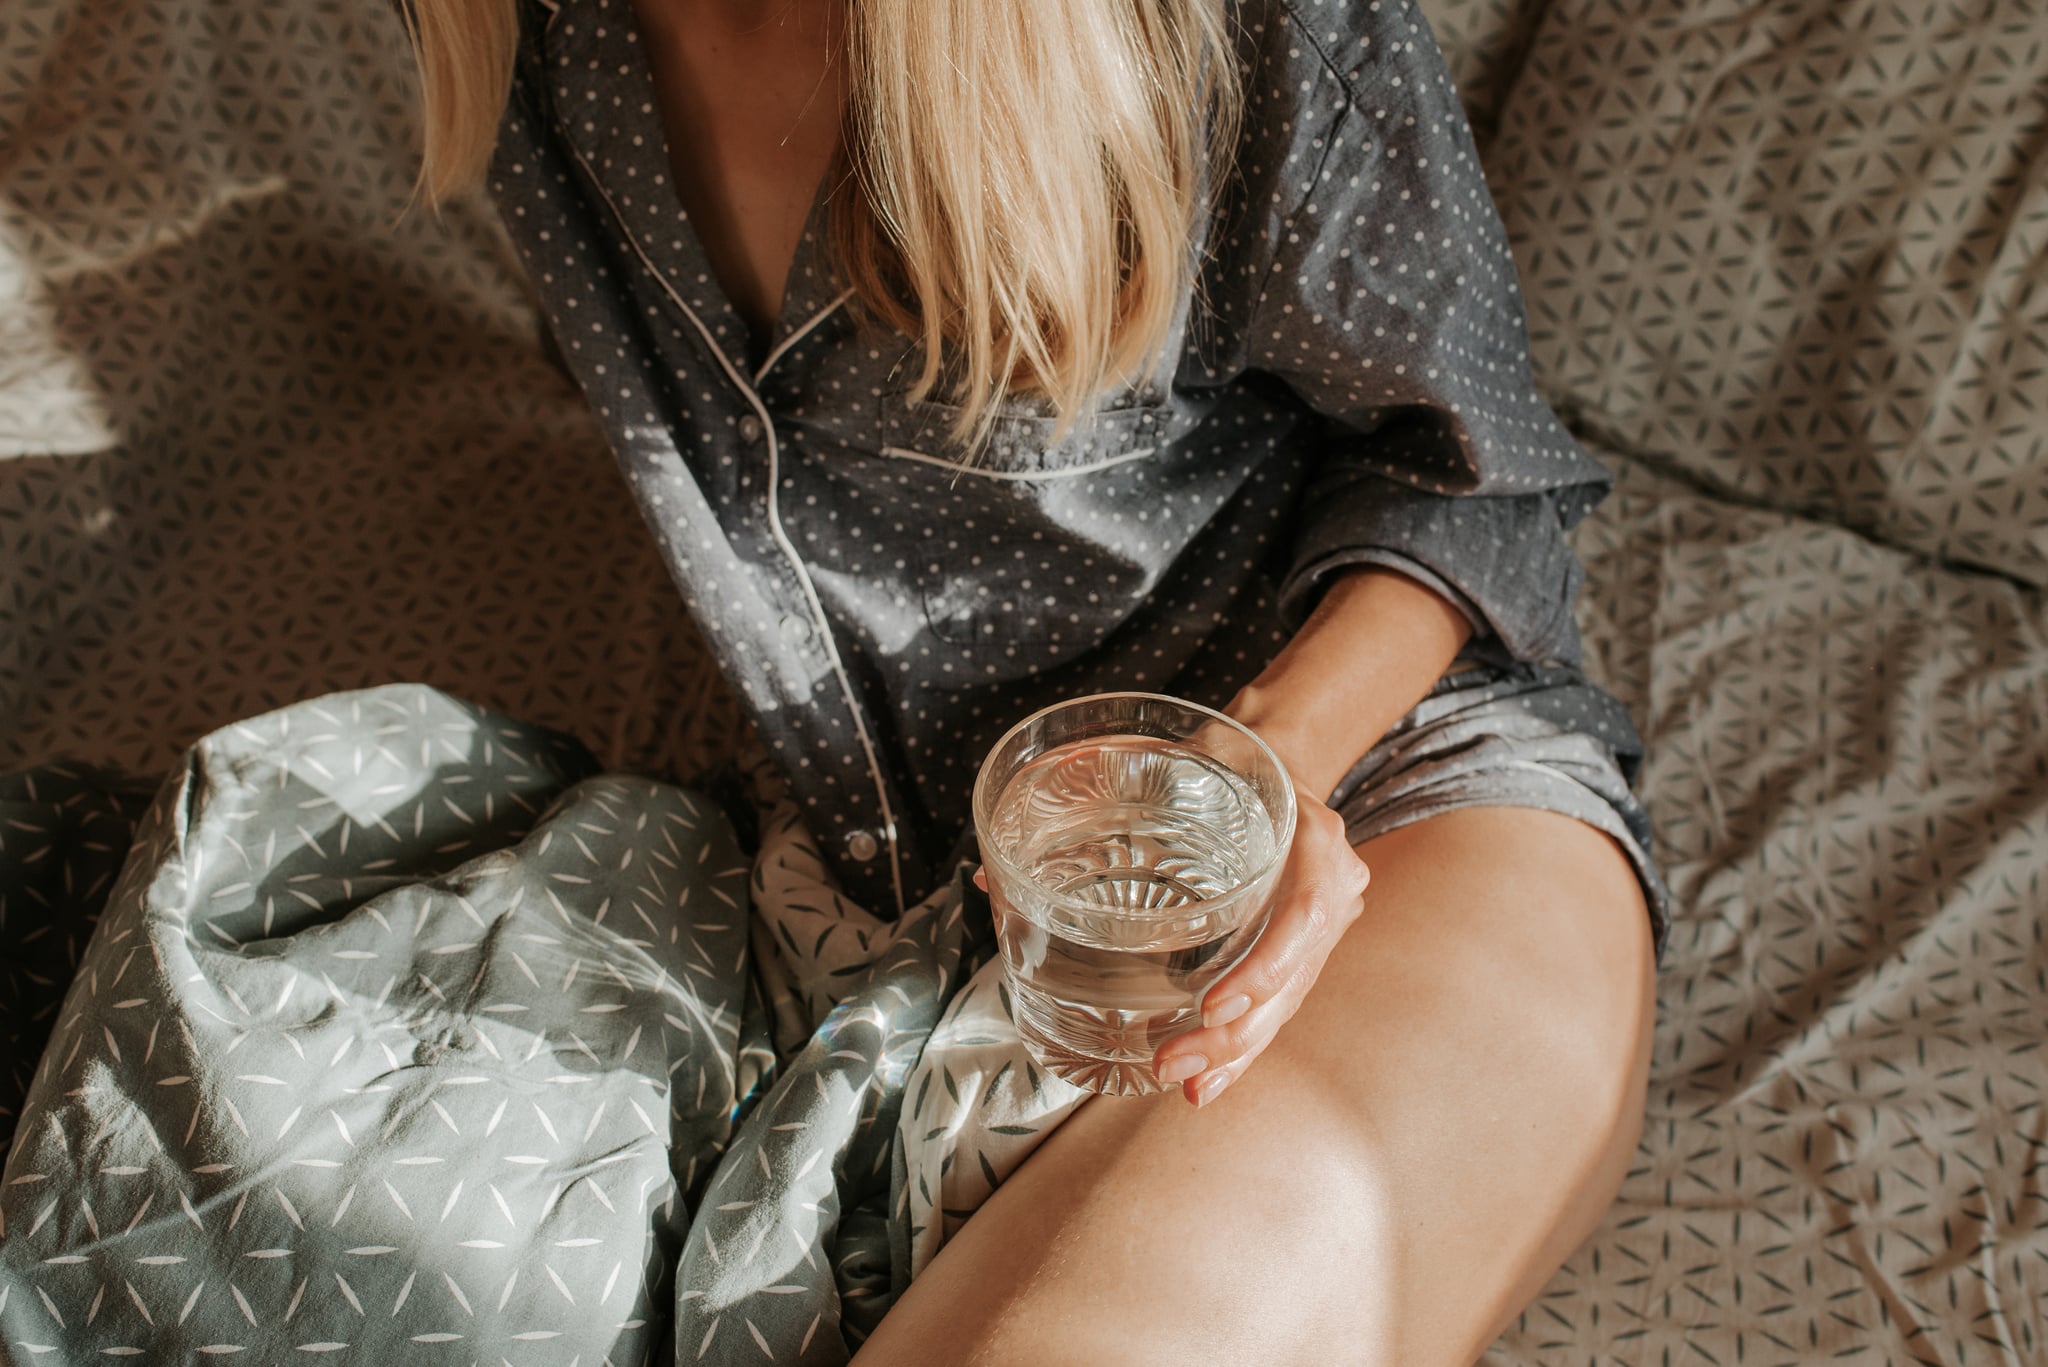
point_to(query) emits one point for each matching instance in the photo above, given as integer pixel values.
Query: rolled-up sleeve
(1388, 305)
(1502, 558)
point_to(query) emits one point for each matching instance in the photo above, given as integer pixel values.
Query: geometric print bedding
(1847, 1127)
(267, 434)
(404, 1034)
(379, 479)
(1782, 264)
(1798, 251)
(1844, 1140)
(380, 1049)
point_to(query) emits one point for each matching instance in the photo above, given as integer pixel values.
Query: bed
(1786, 266)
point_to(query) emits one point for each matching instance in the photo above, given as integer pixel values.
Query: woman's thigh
(1424, 1143)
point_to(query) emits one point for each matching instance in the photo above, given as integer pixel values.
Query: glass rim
(984, 801)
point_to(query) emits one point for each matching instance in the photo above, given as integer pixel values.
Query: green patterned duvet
(406, 1038)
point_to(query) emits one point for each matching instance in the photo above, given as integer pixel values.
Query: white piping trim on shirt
(1064, 472)
(798, 335)
(788, 548)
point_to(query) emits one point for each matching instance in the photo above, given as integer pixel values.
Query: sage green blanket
(404, 1037)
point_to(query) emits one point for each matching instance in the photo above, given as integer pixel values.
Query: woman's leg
(1441, 1124)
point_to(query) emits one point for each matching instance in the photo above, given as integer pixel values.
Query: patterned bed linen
(265, 433)
(1847, 1126)
(1842, 1156)
(1792, 248)
(377, 1049)
(405, 1036)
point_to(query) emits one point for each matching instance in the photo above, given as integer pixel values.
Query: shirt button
(862, 846)
(794, 629)
(750, 429)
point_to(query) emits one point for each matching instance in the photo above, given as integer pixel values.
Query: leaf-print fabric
(405, 1037)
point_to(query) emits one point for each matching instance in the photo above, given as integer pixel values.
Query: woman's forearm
(1371, 650)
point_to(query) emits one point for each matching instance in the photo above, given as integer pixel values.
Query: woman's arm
(1384, 301)
(1373, 647)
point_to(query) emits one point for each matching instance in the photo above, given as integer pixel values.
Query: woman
(969, 354)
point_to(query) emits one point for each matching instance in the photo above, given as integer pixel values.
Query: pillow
(1798, 253)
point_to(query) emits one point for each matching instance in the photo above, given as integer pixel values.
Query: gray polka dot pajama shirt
(1349, 385)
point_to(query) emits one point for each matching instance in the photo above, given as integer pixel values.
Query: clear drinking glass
(1131, 843)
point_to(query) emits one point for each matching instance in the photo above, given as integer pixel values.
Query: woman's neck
(750, 93)
(820, 20)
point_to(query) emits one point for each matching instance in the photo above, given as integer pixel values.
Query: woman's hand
(1376, 642)
(1320, 893)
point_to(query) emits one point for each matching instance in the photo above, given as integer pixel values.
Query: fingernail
(1211, 1088)
(1181, 1067)
(1226, 1011)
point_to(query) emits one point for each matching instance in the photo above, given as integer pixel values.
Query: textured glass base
(1109, 1052)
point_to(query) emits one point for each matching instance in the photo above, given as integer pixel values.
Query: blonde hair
(1028, 176)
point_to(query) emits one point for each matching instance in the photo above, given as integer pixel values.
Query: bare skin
(1431, 1100)
(750, 94)
(1433, 1086)
(1444, 1120)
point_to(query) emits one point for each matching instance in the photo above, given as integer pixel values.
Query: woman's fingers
(1226, 1050)
(1303, 930)
(1320, 895)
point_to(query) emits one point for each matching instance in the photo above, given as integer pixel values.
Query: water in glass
(1142, 837)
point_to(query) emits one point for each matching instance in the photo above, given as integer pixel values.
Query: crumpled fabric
(406, 1033)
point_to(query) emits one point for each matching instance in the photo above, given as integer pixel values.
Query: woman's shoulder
(1305, 67)
(1309, 67)
(1353, 43)
(1347, 108)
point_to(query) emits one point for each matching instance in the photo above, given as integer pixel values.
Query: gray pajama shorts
(1491, 735)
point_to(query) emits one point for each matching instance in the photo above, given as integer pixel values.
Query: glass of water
(1131, 844)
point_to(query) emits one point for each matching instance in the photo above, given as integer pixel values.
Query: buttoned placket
(757, 433)
(813, 628)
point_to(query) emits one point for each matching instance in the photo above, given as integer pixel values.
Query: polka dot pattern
(1351, 386)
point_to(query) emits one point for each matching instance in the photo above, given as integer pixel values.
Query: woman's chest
(750, 115)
